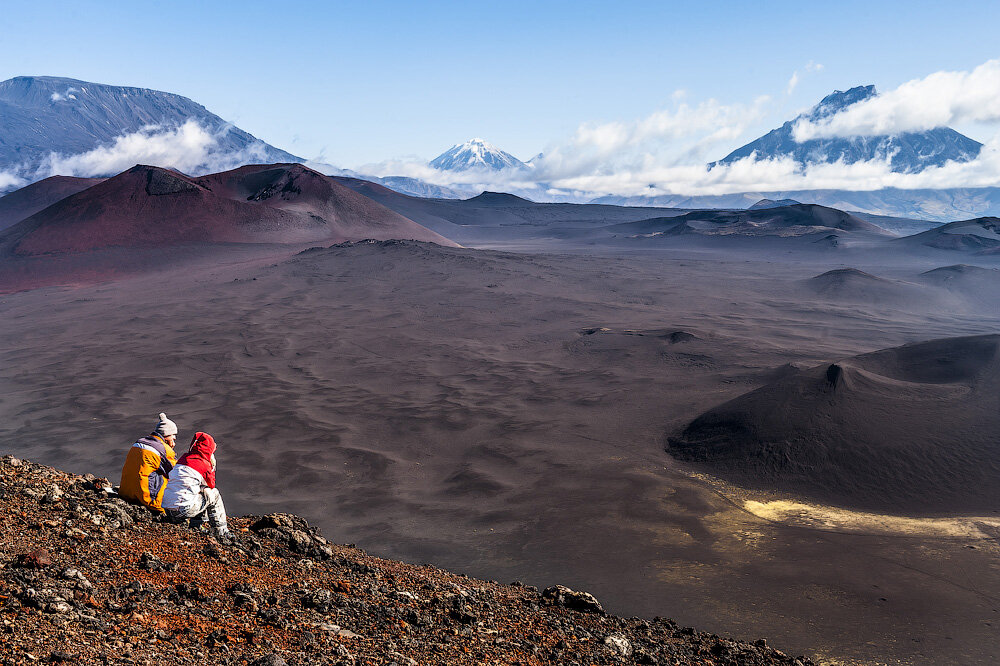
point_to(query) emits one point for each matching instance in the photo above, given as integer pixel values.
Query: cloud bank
(938, 100)
(190, 148)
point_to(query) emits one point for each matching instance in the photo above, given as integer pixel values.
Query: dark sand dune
(982, 233)
(851, 284)
(961, 276)
(909, 429)
(28, 200)
(977, 287)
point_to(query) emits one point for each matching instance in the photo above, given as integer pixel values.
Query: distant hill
(770, 203)
(30, 199)
(794, 220)
(908, 152)
(476, 154)
(40, 115)
(966, 235)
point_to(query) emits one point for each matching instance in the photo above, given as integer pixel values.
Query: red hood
(202, 445)
(199, 457)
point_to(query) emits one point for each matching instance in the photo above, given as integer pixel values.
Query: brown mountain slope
(296, 188)
(153, 207)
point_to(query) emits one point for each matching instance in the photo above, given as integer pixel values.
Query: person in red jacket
(191, 491)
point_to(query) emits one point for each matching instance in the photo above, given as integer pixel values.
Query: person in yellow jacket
(149, 461)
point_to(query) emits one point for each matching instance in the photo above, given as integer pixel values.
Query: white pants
(207, 505)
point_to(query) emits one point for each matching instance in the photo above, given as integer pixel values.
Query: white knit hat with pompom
(166, 427)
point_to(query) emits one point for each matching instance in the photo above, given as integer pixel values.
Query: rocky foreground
(88, 578)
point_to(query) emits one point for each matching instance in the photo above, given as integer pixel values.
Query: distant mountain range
(909, 152)
(476, 154)
(40, 115)
(45, 116)
(943, 205)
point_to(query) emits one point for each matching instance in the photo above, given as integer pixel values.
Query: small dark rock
(280, 521)
(36, 559)
(150, 562)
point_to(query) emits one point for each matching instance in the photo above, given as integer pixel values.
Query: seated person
(147, 465)
(191, 492)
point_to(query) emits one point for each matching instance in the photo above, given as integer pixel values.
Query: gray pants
(208, 505)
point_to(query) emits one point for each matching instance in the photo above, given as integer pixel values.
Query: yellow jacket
(144, 475)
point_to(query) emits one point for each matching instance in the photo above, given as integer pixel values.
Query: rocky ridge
(88, 578)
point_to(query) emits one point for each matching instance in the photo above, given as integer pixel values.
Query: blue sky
(620, 96)
(364, 82)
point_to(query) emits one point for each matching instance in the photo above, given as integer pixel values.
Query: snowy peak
(839, 100)
(476, 154)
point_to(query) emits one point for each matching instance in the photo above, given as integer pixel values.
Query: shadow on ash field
(504, 415)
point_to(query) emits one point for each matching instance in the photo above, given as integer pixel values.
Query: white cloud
(937, 100)
(687, 133)
(62, 97)
(810, 68)
(792, 83)
(752, 175)
(189, 148)
(10, 180)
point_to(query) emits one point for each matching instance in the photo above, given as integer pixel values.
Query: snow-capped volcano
(909, 152)
(476, 154)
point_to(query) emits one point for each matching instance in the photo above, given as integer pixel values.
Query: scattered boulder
(561, 595)
(294, 532)
(619, 646)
